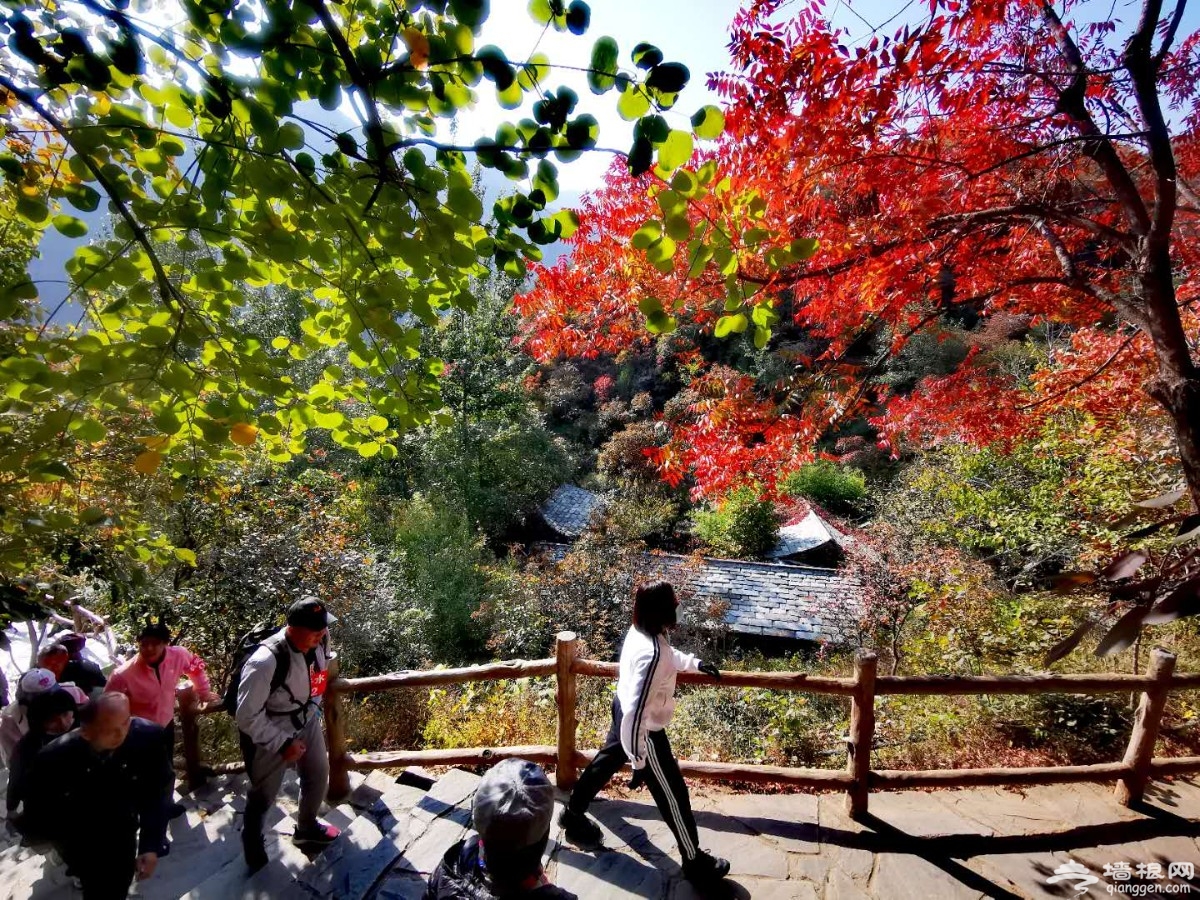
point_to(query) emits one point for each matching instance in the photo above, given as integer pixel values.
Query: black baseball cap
(310, 613)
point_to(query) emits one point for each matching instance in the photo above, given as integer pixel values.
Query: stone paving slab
(957, 845)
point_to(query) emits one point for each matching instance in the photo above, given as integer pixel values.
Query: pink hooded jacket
(151, 691)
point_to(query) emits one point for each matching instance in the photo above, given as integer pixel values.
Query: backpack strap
(278, 645)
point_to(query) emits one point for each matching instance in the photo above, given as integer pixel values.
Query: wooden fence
(858, 779)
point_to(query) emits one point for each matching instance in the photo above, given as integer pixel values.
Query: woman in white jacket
(641, 710)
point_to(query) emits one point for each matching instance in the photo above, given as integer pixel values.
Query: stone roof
(801, 603)
(569, 509)
(809, 533)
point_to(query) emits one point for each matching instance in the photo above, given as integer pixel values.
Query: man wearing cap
(279, 719)
(80, 670)
(14, 722)
(512, 810)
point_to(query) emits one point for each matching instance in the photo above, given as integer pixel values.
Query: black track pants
(662, 777)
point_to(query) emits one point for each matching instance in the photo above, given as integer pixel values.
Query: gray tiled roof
(769, 599)
(569, 509)
(809, 533)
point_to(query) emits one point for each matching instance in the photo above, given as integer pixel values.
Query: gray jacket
(272, 718)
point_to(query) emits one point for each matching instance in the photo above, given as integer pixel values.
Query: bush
(829, 485)
(443, 572)
(743, 524)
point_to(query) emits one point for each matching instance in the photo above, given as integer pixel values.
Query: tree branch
(1072, 101)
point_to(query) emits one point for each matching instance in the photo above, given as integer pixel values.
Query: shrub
(743, 524)
(829, 485)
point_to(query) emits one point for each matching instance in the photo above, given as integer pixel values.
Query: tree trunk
(1180, 397)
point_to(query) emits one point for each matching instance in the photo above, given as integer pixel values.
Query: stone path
(926, 846)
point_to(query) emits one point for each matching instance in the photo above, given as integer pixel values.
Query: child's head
(52, 712)
(655, 607)
(513, 806)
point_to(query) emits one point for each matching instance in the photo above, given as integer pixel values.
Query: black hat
(310, 613)
(513, 806)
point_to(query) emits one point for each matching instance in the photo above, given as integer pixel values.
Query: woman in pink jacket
(150, 681)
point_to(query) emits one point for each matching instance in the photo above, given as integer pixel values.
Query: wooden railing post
(1145, 728)
(335, 739)
(565, 649)
(862, 732)
(189, 730)
(76, 616)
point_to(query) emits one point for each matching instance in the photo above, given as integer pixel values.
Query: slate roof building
(765, 601)
(775, 600)
(570, 509)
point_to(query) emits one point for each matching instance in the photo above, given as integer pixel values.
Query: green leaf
(579, 16)
(761, 336)
(727, 325)
(634, 103)
(471, 13)
(69, 226)
(33, 210)
(602, 71)
(803, 249)
(650, 306)
(708, 122)
(670, 78)
(377, 424)
(646, 56)
(185, 555)
(646, 235)
(675, 151)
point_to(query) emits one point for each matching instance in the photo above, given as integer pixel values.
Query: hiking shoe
(579, 829)
(256, 855)
(317, 834)
(705, 869)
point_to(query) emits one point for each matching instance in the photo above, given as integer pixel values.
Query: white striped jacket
(646, 688)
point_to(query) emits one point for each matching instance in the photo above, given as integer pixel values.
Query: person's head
(104, 723)
(513, 806)
(153, 640)
(307, 621)
(52, 712)
(655, 607)
(34, 682)
(54, 658)
(74, 643)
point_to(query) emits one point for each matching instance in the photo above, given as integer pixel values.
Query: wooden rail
(857, 779)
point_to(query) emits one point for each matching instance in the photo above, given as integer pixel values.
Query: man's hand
(211, 697)
(638, 779)
(146, 864)
(710, 670)
(294, 750)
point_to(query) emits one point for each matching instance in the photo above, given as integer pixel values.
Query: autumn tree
(1006, 158)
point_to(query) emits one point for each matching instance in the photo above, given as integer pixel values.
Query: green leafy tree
(744, 523)
(375, 228)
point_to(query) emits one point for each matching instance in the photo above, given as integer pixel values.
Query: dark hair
(53, 650)
(654, 607)
(510, 868)
(156, 631)
(46, 706)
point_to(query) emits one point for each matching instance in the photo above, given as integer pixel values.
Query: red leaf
(1124, 633)
(1162, 501)
(1181, 602)
(1125, 565)
(1066, 582)
(1069, 643)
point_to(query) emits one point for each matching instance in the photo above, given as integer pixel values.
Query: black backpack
(261, 635)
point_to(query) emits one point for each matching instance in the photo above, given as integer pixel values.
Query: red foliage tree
(999, 157)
